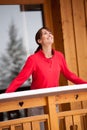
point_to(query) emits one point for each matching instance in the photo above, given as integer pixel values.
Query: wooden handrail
(44, 92)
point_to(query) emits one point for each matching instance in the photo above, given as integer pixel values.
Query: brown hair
(38, 36)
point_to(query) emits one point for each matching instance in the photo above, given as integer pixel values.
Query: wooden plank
(62, 124)
(71, 112)
(27, 126)
(5, 128)
(51, 108)
(81, 36)
(85, 121)
(68, 122)
(18, 127)
(71, 98)
(23, 120)
(21, 104)
(22, 2)
(85, 13)
(36, 125)
(48, 14)
(84, 104)
(12, 127)
(78, 122)
(75, 105)
(68, 35)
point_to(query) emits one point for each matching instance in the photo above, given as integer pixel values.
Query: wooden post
(52, 113)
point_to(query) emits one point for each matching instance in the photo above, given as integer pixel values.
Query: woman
(45, 65)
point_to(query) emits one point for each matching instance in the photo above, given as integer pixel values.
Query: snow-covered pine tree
(12, 62)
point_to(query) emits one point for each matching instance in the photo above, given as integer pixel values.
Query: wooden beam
(8, 2)
(68, 35)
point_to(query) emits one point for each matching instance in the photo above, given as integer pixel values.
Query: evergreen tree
(12, 62)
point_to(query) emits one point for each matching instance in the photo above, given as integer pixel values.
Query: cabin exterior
(68, 21)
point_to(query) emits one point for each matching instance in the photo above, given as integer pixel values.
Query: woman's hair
(38, 36)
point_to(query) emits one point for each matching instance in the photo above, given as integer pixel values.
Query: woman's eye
(45, 32)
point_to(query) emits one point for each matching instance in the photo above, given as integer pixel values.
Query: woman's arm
(70, 75)
(22, 76)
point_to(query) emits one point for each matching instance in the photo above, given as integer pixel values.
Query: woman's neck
(47, 52)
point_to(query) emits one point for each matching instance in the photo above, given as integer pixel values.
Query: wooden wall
(70, 28)
(73, 13)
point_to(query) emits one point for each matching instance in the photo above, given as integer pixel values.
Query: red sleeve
(70, 75)
(22, 76)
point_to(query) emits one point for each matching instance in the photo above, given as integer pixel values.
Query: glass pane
(18, 25)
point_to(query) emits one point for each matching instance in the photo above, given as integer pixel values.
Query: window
(18, 26)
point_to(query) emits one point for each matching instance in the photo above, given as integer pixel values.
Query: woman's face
(47, 38)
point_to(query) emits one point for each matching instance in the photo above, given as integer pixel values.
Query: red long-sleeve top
(45, 72)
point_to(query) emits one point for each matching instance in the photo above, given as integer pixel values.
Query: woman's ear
(39, 41)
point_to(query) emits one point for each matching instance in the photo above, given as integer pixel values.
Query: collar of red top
(53, 53)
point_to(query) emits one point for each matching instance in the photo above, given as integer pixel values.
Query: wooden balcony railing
(58, 113)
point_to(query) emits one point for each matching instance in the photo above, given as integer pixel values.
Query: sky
(27, 24)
